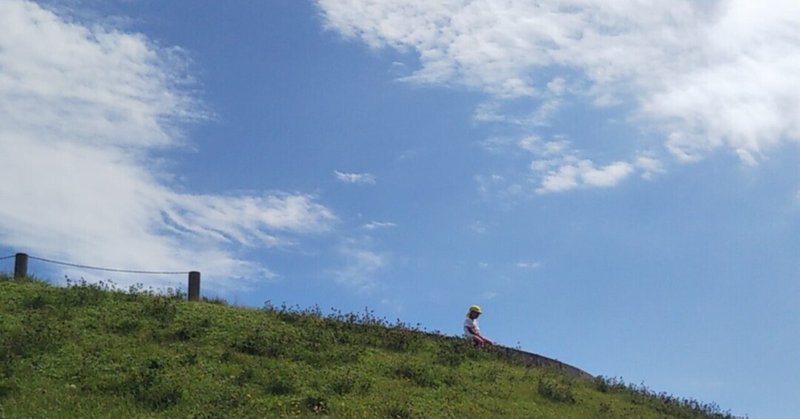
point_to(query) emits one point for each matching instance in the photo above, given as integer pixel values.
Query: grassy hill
(93, 351)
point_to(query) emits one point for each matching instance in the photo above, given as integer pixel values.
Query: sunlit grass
(90, 350)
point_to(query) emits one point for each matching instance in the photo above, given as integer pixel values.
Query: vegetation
(90, 350)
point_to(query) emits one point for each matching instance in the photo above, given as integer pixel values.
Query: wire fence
(97, 268)
(21, 271)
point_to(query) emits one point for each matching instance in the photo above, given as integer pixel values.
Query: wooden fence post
(20, 265)
(194, 286)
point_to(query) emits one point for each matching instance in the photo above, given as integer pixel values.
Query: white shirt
(471, 323)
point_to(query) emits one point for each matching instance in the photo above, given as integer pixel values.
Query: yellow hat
(475, 308)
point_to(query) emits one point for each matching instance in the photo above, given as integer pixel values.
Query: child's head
(474, 312)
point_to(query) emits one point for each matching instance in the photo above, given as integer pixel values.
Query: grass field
(89, 350)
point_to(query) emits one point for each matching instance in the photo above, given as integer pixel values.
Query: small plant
(399, 339)
(161, 308)
(246, 376)
(191, 328)
(260, 342)
(36, 302)
(215, 300)
(398, 411)
(151, 389)
(280, 384)
(417, 374)
(82, 293)
(6, 389)
(316, 404)
(125, 327)
(555, 389)
(453, 353)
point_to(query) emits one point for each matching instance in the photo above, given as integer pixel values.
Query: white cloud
(584, 174)
(83, 109)
(478, 228)
(376, 225)
(361, 264)
(358, 178)
(529, 265)
(650, 166)
(489, 295)
(709, 75)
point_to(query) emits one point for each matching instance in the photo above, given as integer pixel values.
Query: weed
(263, 342)
(417, 374)
(192, 328)
(605, 409)
(607, 385)
(348, 382)
(246, 376)
(161, 308)
(36, 302)
(215, 300)
(556, 389)
(398, 411)
(452, 354)
(38, 335)
(150, 388)
(399, 340)
(188, 359)
(316, 404)
(280, 384)
(82, 293)
(6, 389)
(125, 327)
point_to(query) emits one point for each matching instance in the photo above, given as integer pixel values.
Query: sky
(615, 183)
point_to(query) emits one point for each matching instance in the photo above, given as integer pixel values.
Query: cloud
(554, 165)
(583, 173)
(357, 178)
(360, 263)
(489, 295)
(529, 265)
(478, 228)
(376, 225)
(708, 75)
(84, 110)
(650, 166)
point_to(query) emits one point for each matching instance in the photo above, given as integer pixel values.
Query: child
(471, 329)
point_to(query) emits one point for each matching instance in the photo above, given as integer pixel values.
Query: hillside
(93, 351)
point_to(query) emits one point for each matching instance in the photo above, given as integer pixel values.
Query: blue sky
(616, 184)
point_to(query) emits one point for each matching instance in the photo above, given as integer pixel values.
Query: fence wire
(7, 257)
(97, 268)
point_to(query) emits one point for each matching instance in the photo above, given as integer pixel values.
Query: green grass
(93, 351)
